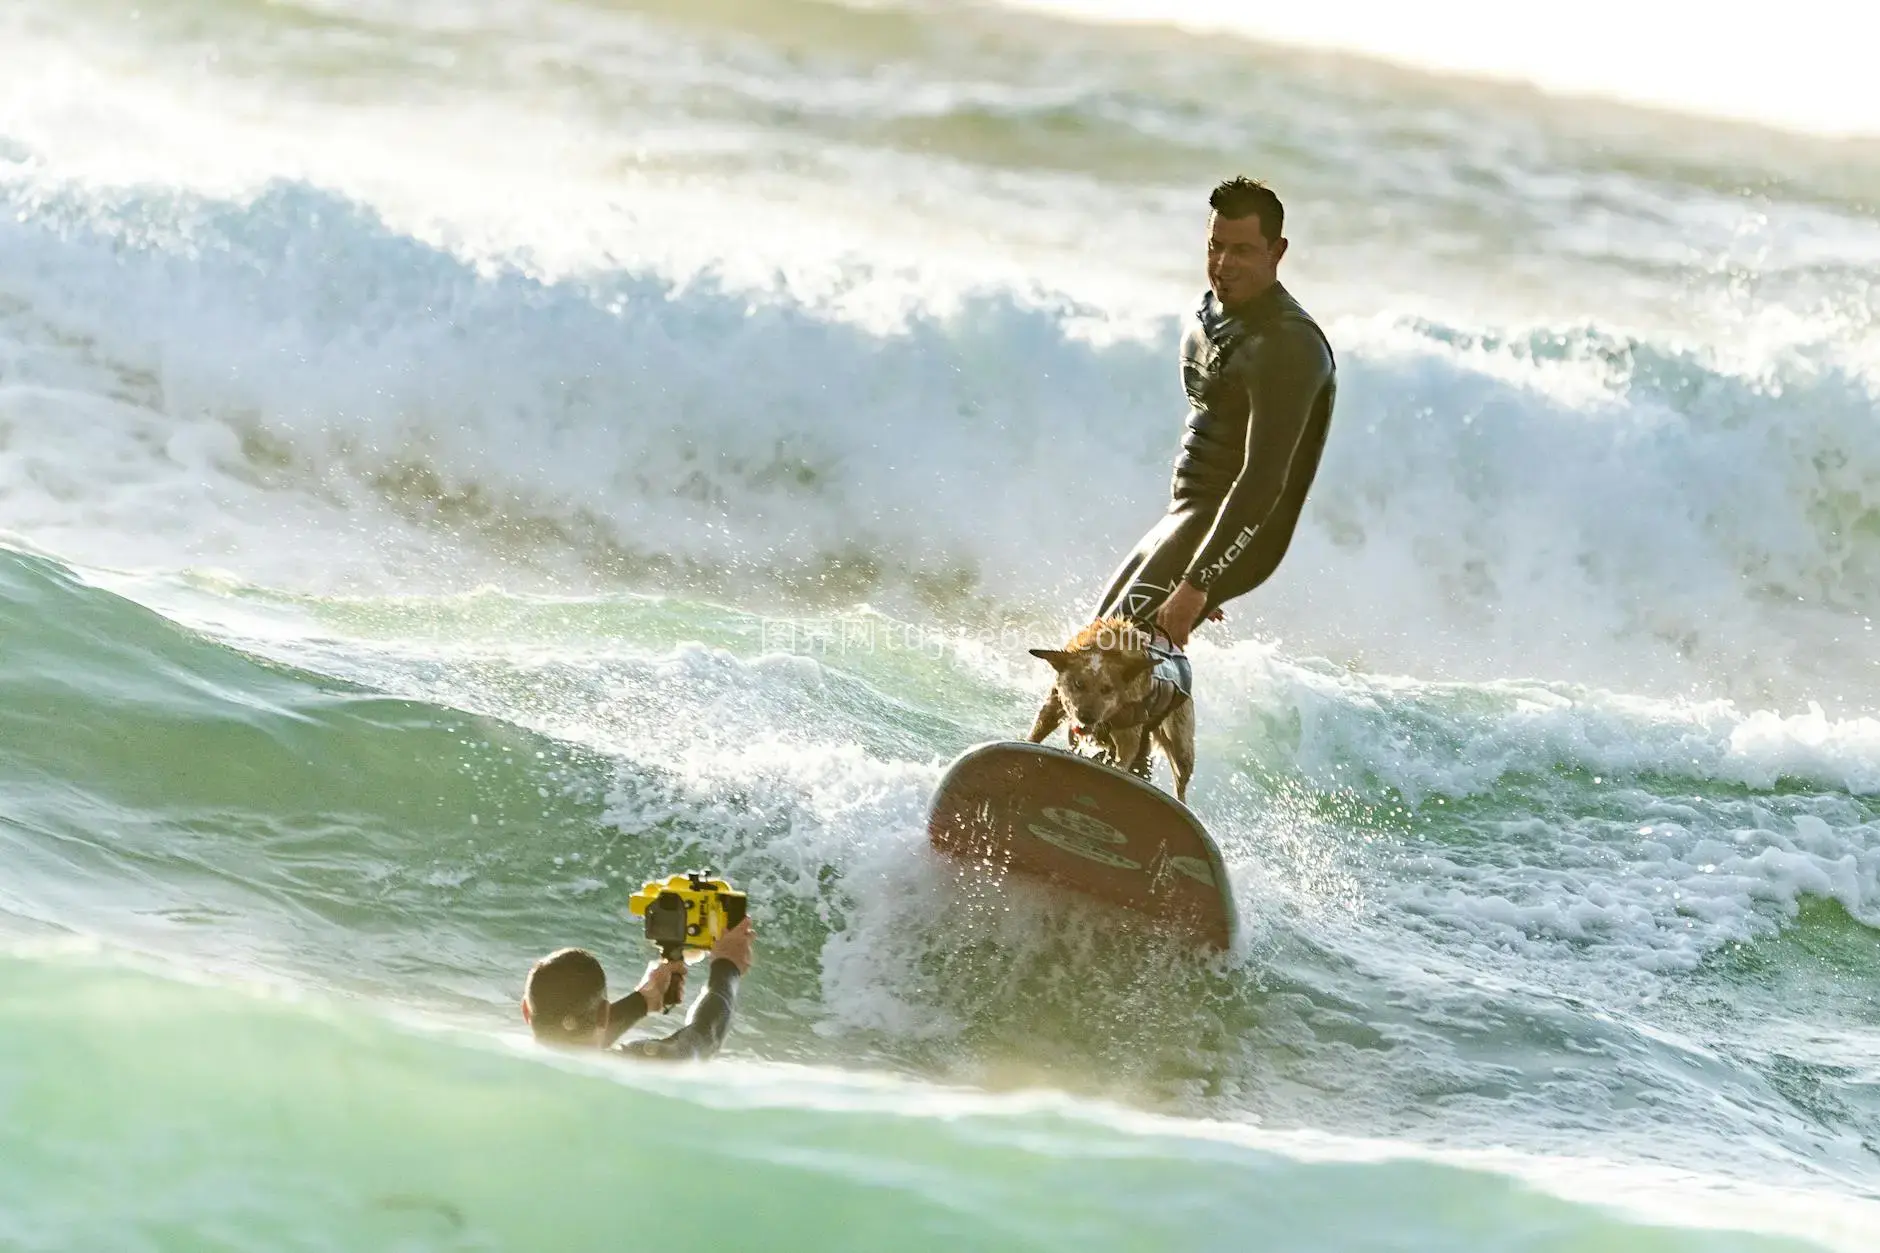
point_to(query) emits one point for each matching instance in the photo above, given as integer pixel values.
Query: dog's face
(1099, 686)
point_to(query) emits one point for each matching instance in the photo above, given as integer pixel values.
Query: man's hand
(1180, 612)
(735, 947)
(663, 980)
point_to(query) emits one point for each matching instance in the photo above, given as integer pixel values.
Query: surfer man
(565, 1001)
(1260, 379)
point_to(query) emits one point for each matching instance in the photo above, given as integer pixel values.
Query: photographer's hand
(663, 986)
(735, 946)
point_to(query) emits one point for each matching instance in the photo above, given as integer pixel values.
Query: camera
(687, 911)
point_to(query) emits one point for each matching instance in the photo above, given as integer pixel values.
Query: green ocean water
(343, 886)
(147, 1113)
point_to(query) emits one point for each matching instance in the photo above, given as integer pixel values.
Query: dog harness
(1171, 682)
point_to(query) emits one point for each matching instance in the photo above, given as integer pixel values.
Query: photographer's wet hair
(1244, 198)
(566, 994)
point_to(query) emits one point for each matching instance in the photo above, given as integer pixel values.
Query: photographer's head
(565, 1003)
(565, 999)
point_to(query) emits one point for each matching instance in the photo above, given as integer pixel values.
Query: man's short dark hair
(1243, 197)
(566, 992)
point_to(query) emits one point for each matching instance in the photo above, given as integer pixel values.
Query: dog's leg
(1176, 737)
(1139, 761)
(1127, 745)
(1050, 715)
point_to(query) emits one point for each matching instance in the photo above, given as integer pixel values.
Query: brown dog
(1109, 684)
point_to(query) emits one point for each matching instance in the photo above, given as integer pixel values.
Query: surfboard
(1011, 807)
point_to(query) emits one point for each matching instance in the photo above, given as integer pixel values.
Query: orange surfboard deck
(1049, 814)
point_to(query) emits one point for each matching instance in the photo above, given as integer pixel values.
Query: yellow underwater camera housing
(687, 911)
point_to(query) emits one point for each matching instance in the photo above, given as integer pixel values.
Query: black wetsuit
(1260, 382)
(704, 1028)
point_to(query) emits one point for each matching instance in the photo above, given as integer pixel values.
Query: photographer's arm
(705, 1026)
(710, 1018)
(621, 1015)
(637, 1004)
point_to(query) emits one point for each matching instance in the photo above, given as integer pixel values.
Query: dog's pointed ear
(1056, 656)
(1135, 667)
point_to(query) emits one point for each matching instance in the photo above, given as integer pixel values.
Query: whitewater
(460, 459)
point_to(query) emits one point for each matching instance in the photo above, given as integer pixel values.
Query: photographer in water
(565, 1000)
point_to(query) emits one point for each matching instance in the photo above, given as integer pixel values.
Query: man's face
(1241, 264)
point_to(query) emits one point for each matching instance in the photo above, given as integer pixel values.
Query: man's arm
(643, 1000)
(705, 1026)
(622, 1014)
(1284, 370)
(710, 1018)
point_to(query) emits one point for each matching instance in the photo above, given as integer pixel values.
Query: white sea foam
(327, 346)
(1640, 834)
(1631, 837)
(288, 368)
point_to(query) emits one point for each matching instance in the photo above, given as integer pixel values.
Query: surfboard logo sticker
(1194, 868)
(1084, 824)
(1083, 836)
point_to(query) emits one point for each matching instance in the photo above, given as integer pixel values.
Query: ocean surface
(459, 458)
